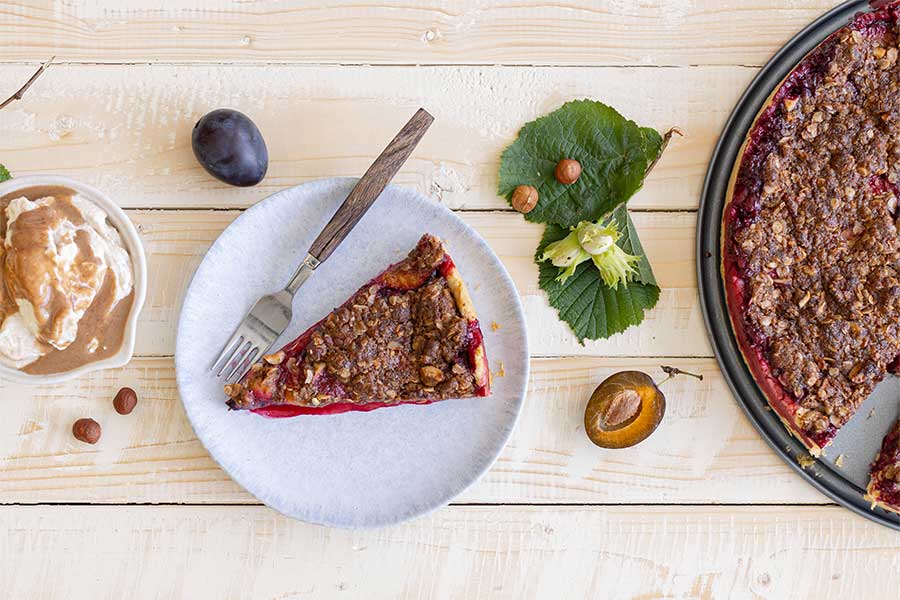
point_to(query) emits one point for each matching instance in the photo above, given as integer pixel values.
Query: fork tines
(236, 357)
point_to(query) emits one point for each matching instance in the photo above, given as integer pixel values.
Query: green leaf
(614, 153)
(591, 308)
(4, 174)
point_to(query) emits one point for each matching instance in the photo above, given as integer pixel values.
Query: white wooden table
(702, 509)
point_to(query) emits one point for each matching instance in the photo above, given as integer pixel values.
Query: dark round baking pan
(861, 438)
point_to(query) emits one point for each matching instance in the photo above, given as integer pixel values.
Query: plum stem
(673, 371)
(24, 88)
(662, 148)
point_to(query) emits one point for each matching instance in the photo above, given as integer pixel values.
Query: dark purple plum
(230, 147)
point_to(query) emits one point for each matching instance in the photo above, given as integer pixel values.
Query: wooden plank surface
(705, 448)
(520, 553)
(521, 32)
(127, 129)
(177, 240)
(329, 84)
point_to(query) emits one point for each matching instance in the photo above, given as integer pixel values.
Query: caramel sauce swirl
(52, 277)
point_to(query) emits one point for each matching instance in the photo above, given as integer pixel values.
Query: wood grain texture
(176, 241)
(521, 32)
(371, 184)
(126, 129)
(328, 84)
(704, 449)
(520, 553)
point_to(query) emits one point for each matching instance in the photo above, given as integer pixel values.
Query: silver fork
(271, 314)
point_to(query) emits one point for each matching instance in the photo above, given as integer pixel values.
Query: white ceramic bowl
(139, 262)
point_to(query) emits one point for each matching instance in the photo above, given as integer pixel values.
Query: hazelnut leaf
(614, 153)
(592, 309)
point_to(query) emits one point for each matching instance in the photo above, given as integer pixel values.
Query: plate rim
(710, 285)
(520, 394)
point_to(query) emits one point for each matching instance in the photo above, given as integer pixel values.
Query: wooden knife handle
(370, 186)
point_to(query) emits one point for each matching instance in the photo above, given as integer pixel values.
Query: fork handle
(370, 186)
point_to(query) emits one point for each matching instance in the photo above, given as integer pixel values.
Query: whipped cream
(56, 262)
(18, 345)
(106, 242)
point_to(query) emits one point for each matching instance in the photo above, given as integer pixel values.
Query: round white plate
(354, 469)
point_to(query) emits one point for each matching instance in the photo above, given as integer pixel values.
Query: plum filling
(810, 247)
(885, 484)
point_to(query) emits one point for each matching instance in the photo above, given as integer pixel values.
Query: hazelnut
(125, 401)
(431, 376)
(524, 198)
(275, 358)
(567, 171)
(86, 430)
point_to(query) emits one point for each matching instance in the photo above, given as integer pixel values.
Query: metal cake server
(271, 314)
